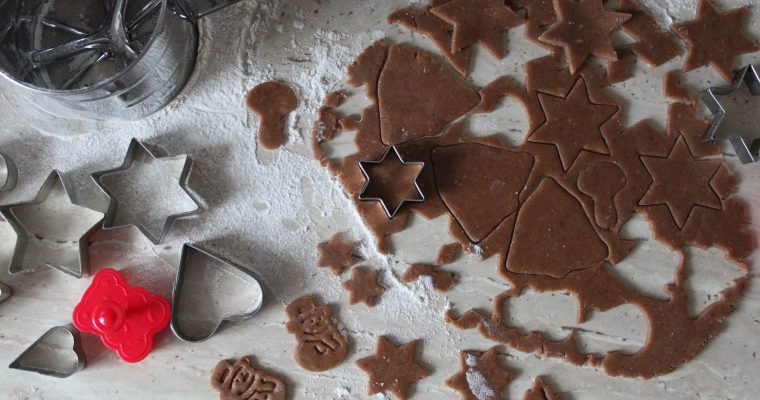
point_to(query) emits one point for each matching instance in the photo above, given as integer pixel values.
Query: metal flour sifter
(103, 59)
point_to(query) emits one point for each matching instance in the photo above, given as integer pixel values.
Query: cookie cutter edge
(748, 152)
(391, 214)
(77, 348)
(113, 203)
(178, 287)
(22, 236)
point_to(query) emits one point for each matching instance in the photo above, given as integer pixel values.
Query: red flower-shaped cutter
(125, 317)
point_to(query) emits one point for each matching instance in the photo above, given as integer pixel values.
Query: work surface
(268, 210)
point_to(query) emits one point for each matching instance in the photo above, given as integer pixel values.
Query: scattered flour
(476, 381)
(427, 282)
(249, 193)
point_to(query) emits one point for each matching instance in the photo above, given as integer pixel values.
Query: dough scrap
(540, 15)
(448, 253)
(481, 376)
(243, 381)
(419, 96)
(673, 89)
(320, 345)
(325, 127)
(392, 368)
(363, 286)
(438, 30)
(686, 121)
(366, 69)
(272, 101)
(622, 69)
(541, 391)
(440, 280)
(715, 38)
(336, 254)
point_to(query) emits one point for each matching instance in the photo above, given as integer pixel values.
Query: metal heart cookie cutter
(58, 353)
(746, 149)
(101, 59)
(197, 300)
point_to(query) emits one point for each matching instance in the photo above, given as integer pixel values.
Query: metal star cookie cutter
(189, 250)
(8, 173)
(5, 292)
(24, 236)
(77, 357)
(136, 146)
(390, 213)
(746, 151)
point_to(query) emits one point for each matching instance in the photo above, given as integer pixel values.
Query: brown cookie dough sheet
(553, 207)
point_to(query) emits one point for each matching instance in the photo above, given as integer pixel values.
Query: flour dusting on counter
(267, 210)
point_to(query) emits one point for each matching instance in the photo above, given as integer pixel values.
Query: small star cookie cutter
(189, 250)
(748, 152)
(77, 360)
(362, 193)
(8, 173)
(24, 235)
(136, 146)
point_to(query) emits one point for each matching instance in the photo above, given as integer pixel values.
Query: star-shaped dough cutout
(336, 254)
(391, 181)
(681, 182)
(583, 28)
(715, 38)
(481, 377)
(51, 230)
(392, 369)
(143, 180)
(478, 21)
(363, 286)
(573, 123)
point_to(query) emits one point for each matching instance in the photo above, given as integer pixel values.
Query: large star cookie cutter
(135, 147)
(364, 196)
(27, 237)
(747, 150)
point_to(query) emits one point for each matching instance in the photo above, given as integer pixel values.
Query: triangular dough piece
(480, 184)
(553, 235)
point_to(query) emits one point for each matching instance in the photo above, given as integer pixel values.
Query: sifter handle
(195, 9)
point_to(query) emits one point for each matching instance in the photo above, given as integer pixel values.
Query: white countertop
(269, 209)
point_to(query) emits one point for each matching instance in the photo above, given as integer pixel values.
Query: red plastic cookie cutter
(125, 317)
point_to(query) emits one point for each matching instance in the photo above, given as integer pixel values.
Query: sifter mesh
(73, 44)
